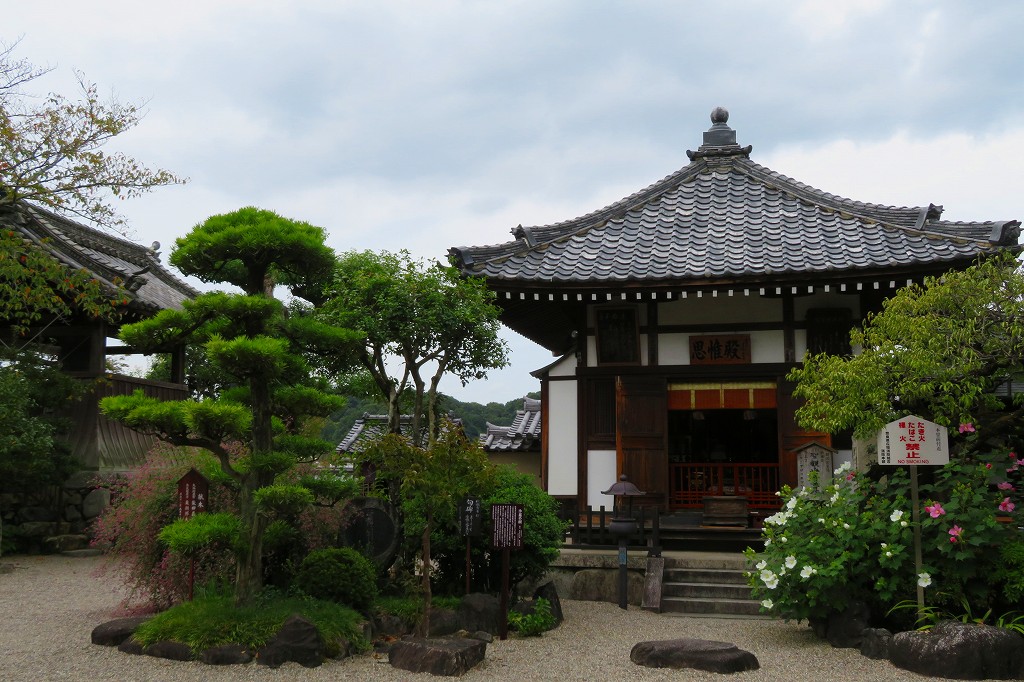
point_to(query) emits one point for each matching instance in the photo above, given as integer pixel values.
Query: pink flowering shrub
(143, 502)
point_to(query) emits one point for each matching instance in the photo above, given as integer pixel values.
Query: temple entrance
(723, 440)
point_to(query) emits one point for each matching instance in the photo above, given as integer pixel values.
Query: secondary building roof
(522, 435)
(151, 286)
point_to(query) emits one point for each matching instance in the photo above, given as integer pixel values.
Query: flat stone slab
(113, 632)
(698, 654)
(446, 657)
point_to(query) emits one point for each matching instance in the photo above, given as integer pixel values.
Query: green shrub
(341, 575)
(216, 620)
(534, 623)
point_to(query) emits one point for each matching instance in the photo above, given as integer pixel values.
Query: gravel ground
(49, 606)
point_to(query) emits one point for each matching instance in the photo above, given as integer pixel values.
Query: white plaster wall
(601, 475)
(800, 343)
(566, 367)
(563, 474)
(720, 309)
(801, 304)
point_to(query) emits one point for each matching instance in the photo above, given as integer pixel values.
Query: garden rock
(961, 651)
(226, 654)
(595, 584)
(478, 611)
(845, 629)
(298, 640)
(388, 625)
(131, 646)
(447, 657)
(64, 543)
(547, 591)
(95, 502)
(875, 643)
(698, 654)
(114, 632)
(443, 622)
(174, 651)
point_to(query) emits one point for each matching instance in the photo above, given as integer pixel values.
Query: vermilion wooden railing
(691, 483)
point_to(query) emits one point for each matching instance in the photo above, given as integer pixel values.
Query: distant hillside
(474, 415)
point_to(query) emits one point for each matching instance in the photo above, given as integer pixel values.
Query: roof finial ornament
(720, 139)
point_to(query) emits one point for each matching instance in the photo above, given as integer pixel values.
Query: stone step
(705, 575)
(705, 591)
(717, 607)
(731, 561)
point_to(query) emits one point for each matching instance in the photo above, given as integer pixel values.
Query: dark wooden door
(641, 420)
(791, 434)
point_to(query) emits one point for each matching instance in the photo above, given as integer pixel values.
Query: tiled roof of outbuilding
(522, 435)
(151, 286)
(369, 427)
(724, 216)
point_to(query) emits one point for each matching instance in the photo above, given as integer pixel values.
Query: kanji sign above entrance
(913, 441)
(720, 349)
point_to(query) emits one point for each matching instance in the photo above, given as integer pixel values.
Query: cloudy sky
(429, 124)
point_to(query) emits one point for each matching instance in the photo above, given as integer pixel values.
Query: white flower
(888, 554)
(767, 576)
(772, 584)
(924, 580)
(791, 504)
(784, 539)
(760, 565)
(821, 521)
(778, 493)
(790, 561)
(903, 524)
(844, 467)
(834, 498)
(896, 515)
(806, 572)
(782, 571)
(846, 526)
(884, 545)
(767, 603)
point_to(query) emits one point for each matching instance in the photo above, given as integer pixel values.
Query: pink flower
(954, 533)
(988, 465)
(1006, 505)
(1005, 485)
(967, 427)
(935, 510)
(952, 539)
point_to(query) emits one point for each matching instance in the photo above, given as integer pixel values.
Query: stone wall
(55, 519)
(594, 576)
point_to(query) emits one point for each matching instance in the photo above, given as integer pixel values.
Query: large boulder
(443, 622)
(226, 654)
(298, 640)
(548, 592)
(174, 651)
(960, 651)
(875, 643)
(95, 502)
(699, 654)
(447, 657)
(478, 611)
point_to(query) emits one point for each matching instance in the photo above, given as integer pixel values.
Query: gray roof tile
(725, 216)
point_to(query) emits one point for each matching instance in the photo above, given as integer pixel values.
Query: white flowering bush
(824, 550)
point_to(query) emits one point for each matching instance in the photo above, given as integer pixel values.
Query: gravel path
(49, 606)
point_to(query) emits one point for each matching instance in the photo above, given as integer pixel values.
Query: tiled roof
(522, 435)
(369, 427)
(725, 217)
(151, 286)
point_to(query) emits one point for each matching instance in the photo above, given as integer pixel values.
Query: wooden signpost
(912, 442)
(470, 523)
(193, 498)
(506, 534)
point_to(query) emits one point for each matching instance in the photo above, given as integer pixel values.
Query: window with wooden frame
(828, 331)
(618, 336)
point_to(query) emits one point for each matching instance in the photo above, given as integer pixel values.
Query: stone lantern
(623, 525)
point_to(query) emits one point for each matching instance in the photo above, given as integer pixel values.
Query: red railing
(690, 483)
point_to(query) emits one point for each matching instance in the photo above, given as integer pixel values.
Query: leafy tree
(268, 353)
(424, 316)
(52, 149)
(432, 482)
(938, 350)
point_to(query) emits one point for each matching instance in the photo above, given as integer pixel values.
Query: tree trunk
(249, 557)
